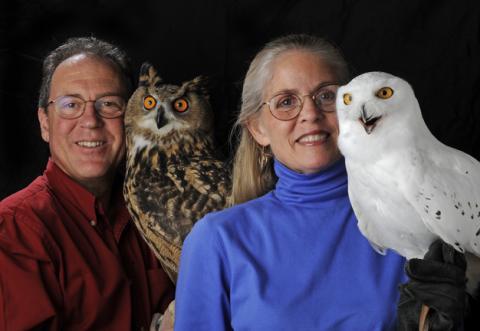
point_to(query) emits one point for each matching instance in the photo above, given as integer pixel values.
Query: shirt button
(93, 223)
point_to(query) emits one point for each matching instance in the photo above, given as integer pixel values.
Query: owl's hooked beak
(161, 120)
(368, 122)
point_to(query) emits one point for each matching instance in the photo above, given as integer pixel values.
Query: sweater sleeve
(202, 294)
(29, 293)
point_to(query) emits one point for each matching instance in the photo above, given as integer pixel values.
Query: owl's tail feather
(167, 252)
(168, 255)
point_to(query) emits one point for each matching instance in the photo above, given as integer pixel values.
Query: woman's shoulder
(233, 218)
(242, 210)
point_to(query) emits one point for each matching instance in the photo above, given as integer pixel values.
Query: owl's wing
(384, 216)
(207, 176)
(150, 199)
(447, 195)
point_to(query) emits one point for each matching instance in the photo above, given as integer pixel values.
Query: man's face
(88, 148)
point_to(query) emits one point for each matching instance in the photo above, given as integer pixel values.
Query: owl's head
(377, 110)
(374, 98)
(156, 109)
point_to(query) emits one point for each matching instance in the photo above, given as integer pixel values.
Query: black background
(435, 45)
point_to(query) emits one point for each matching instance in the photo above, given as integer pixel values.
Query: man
(70, 259)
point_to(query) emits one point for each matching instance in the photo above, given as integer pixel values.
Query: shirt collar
(67, 189)
(328, 184)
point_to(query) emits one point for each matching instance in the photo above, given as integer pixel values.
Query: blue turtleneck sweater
(293, 259)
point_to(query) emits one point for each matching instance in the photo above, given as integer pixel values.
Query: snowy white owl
(406, 187)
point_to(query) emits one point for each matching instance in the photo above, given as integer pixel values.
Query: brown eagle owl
(173, 176)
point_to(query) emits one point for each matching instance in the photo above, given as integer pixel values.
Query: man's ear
(257, 130)
(44, 125)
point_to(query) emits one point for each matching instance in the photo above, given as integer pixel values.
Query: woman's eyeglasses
(287, 106)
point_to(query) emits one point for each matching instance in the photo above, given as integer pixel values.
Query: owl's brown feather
(173, 177)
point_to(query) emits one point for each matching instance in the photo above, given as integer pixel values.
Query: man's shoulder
(28, 198)
(22, 216)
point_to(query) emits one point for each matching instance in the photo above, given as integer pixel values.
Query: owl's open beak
(368, 122)
(161, 121)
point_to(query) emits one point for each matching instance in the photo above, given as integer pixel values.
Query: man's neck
(102, 190)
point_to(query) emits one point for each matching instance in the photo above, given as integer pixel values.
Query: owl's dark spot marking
(466, 172)
(138, 157)
(471, 216)
(469, 204)
(456, 206)
(427, 198)
(478, 215)
(463, 213)
(458, 230)
(478, 232)
(438, 213)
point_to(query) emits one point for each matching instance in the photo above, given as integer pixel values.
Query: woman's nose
(310, 110)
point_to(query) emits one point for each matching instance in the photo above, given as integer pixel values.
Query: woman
(288, 255)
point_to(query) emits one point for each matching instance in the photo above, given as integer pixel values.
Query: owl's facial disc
(368, 121)
(161, 120)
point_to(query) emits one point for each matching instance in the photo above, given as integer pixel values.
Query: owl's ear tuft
(201, 85)
(148, 75)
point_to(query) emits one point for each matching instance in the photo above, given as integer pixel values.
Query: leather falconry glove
(437, 281)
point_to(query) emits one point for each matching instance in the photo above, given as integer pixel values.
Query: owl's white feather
(406, 187)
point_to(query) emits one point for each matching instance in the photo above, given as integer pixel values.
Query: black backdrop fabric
(434, 45)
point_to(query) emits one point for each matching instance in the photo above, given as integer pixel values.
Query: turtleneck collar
(294, 187)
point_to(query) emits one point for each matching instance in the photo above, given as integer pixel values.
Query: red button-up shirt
(67, 265)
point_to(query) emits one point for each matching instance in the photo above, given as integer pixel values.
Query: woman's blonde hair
(253, 176)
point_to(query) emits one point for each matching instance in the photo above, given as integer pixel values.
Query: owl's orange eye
(384, 93)
(149, 102)
(180, 105)
(347, 98)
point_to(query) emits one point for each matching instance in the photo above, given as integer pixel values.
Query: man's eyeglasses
(71, 107)
(287, 106)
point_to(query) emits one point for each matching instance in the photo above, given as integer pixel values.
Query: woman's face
(307, 143)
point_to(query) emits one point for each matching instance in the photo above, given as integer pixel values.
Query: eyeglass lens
(289, 105)
(73, 107)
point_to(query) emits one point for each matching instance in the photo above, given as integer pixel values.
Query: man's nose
(90, 117)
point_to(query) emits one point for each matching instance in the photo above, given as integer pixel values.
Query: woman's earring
(265, 157)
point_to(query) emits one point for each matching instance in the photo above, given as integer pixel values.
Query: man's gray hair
(83, 45)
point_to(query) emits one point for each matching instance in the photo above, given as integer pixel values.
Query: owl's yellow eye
(149, 102)
(347, 98)
(180, 105)
(384, 93)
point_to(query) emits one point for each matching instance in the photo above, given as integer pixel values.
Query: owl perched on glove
(173, 176)
(407, 188)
